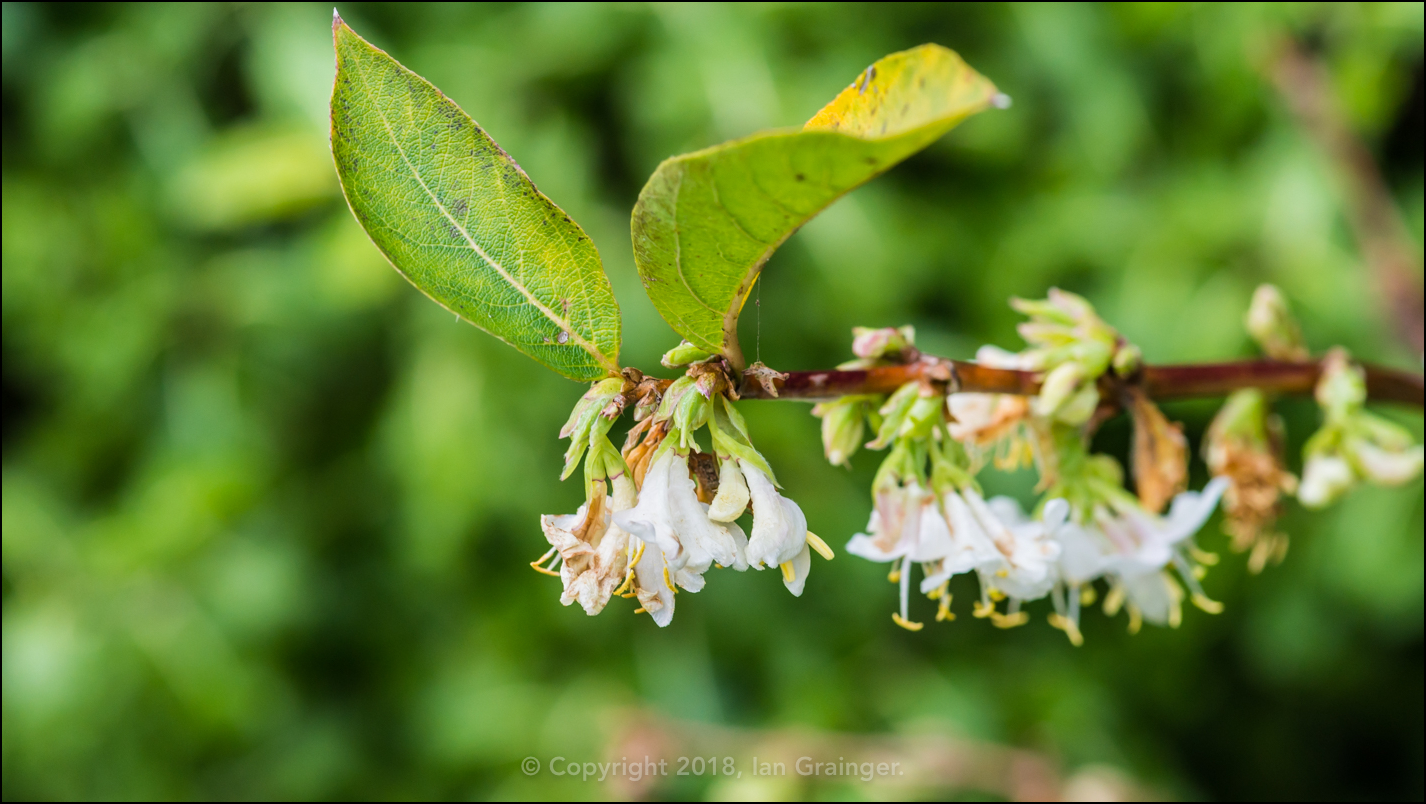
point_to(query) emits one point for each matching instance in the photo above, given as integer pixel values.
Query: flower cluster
(663, 511)
(1088, 528)
(929, 510)
(674, 509)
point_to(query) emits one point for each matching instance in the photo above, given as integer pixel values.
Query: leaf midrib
(564, 325)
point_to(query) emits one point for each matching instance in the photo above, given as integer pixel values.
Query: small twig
(1160, 382)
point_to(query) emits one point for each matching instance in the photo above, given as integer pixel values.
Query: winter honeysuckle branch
(458, 217)
(1159, 382)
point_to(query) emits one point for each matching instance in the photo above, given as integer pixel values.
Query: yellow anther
(1175, 601)
(1203, 556)
(641, 610)
(668, 581)
(1069, 627)
(1136, 620)
(1114, 600)
(943, 608)
(983, 609)
(996, 595)
(1002, 573)
(820, 546)
(905, 623)
(942, 591)
(788, 574)
(1199, 571)
(895, 574)
(1087, 596)
(1203, 602)
(1009, 620)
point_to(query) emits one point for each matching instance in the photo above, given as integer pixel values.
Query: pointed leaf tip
(706, 222)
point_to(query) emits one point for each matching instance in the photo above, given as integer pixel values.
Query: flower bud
(843, 425)
(882, 343)
(683, 354)
(1127, 360)
(1271, 324)
(1060, 384)
(1342, 388)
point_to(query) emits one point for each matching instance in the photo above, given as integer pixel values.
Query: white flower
(971, 546)
(1137, 546)
(779, 537)
(1325, 478)
(670, 516)
(593, 551)
(905, 525)
(1024, 568)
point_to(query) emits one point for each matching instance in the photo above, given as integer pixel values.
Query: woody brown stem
(1159, 382)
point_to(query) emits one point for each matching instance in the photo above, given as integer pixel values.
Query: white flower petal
(653, 591)
(1386, 467)
(801, 566)
(1324, 479)
(933, 537)
(732, 497)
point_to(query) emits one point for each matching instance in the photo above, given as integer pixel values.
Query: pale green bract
(458, 217)
(706, 222)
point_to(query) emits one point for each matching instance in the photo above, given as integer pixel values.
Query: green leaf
(457, 217)
(706, 222)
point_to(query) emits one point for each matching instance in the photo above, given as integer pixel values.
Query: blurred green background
(267, 510)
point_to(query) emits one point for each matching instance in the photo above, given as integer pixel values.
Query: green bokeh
(267, 510)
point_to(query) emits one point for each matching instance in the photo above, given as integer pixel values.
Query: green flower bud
(683, 354)
(1271, 324)
(843, 426)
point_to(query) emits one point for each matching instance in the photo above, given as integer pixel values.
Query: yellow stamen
(544, 571)
(1002, 573)
(535, 565)
(935, 594)
(1203, 602)
(1068, 626)
(820, 546)
(1087, 596)
(1114, 600)
(943, 608)
(895, 575)
(1136, 620)
(905, 623)
(638, 554)
(996, 595)
(983, 609)
(641, 610)
(1175, 601)
(1203, 556)
(667, 581)
(628, 579)
(1199, 571)
(787, 573)
(1009, 620)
